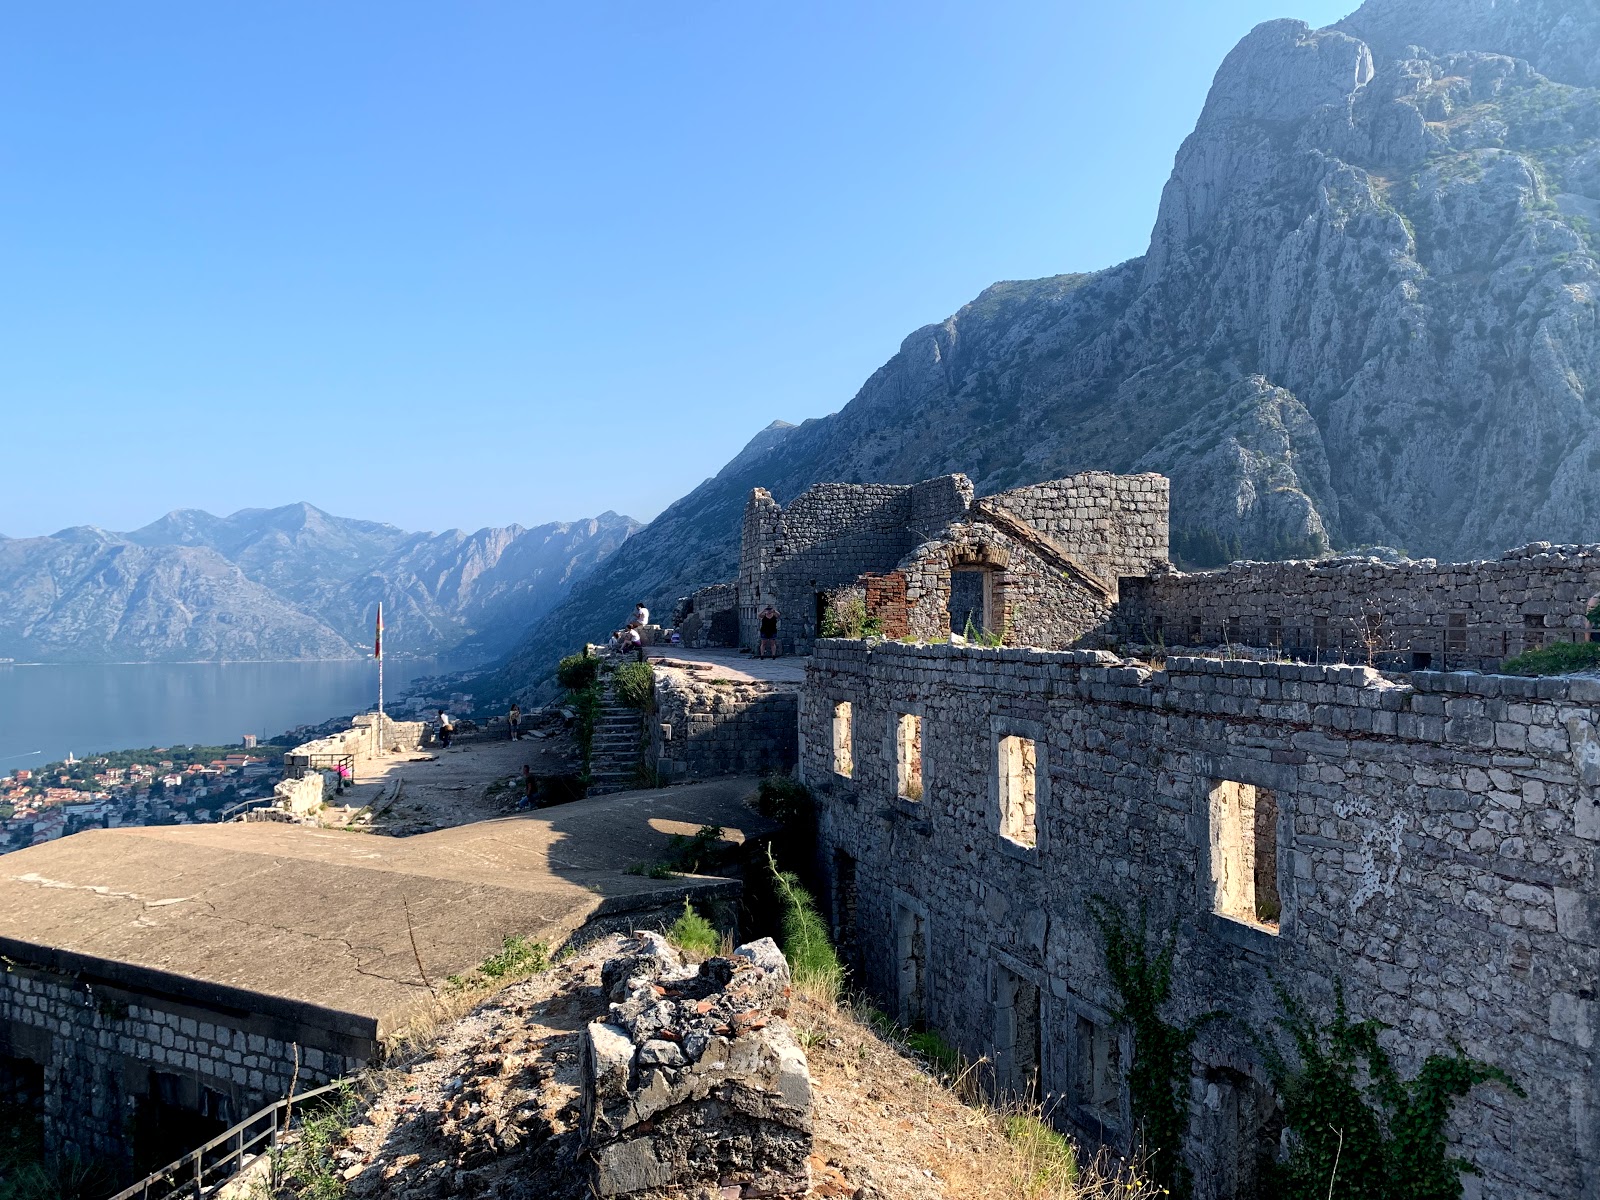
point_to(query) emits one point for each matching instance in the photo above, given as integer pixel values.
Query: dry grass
(919, 1134)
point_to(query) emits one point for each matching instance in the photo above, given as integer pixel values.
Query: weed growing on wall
(516, 959)
(1158, 1080)
(305, 1167)
(634, 684)
(1358, 1131)
(813, 962)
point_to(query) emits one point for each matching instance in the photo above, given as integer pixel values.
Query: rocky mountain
(286, 583)
(1367, 315)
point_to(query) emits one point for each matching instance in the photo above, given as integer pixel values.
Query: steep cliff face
(1367, 314)
(286, 583)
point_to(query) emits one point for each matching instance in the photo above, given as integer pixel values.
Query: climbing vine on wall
(1158, 1080)
(1357, 1130)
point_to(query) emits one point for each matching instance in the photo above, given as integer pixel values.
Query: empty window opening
(1192, 632)
(22, 1080)
(822, 613)
(1532, 631)
(843, 755)
(1235, 630)
(169, 1122)
(1244, 854)
(1097, 1071)
(1455, 634)
(908, 756)
(1275, 632)
(911, 958)
(1019, 817)
(970, 591)
(1319, 633)
(1017, 1034)
(844, 900)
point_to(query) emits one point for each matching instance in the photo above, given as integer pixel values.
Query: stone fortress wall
(1432, 845)
(698, 729)
(310, 776)
(101, 1057)
(1412, 614)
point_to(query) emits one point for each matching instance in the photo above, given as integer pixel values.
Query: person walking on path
(769, 632)
(515, 721)
(445, 729)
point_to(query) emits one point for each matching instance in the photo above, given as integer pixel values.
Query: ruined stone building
(1038, 565)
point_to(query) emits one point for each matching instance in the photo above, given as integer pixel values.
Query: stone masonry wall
(100, 1047)
(1114, 525)
(700, 729)
(1032, 602)
(1435, 850)
(1460, 616)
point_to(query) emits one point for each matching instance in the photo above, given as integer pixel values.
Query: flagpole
(383, 742)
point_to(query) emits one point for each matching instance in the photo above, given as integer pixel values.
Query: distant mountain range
(286, 583)
(1368, 314)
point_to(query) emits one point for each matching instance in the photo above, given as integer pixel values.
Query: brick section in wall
(1434, 846)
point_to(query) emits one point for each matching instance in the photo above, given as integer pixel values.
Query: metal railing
(193, 1176)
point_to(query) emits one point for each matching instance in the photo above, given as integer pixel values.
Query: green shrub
(845, 616)
(813, 962)
(692, 856)
(306, 1167)
(1354, 1123)
(517, 957)
(577, 671)
(694, 934)
(633, 684)
(785, 799)
(1560, 658)
(940, 1054)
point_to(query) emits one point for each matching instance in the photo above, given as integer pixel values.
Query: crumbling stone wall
(701, 729)
(695, 1078)
(1115, 525)
(1030, 600)
(710, 617)
(1435, 850)
(1452, 616)
(101, 1046)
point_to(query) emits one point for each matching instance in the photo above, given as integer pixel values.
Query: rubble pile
(694, 1079)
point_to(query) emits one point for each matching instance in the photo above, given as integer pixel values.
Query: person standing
(769, 632)
(530, 788)
(514, 719)
(446, 729)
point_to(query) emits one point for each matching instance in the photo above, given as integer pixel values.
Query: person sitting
(632, 642)
(640, 618)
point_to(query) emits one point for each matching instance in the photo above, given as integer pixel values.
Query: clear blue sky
(427, 263)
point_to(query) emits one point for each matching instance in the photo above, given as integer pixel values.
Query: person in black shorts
(769, 632)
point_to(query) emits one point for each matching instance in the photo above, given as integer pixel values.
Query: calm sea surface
(54, 709)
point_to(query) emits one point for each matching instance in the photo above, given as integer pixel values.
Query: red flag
(377, 641)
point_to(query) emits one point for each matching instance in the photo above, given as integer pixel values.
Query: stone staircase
(614, 758)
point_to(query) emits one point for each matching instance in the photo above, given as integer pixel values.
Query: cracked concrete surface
(302, 922)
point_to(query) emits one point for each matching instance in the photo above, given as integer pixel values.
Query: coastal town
(154, 786)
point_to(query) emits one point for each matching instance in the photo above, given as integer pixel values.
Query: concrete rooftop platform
(311, 924)
(731, 664)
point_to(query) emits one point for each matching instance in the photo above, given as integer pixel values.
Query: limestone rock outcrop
(695, 1079)
(1368, 315)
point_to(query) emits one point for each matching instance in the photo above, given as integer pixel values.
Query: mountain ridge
(1367, 315)
(292, 582)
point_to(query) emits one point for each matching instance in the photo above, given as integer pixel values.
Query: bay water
(45, 711)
